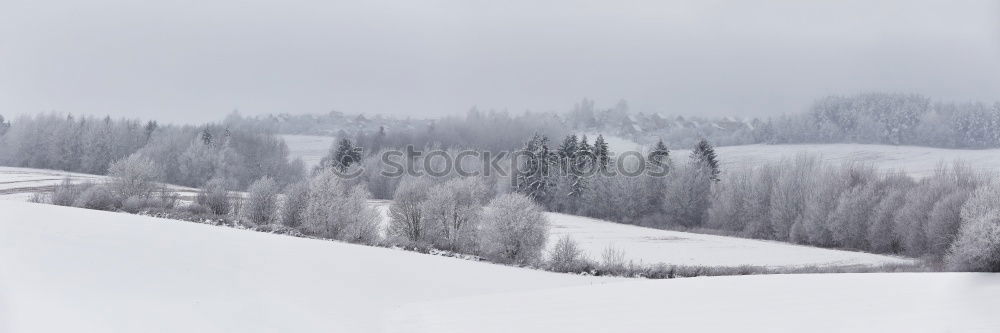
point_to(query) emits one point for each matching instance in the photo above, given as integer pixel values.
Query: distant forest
(873, 118)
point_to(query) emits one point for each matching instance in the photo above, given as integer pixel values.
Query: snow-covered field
(310, 148)
(19, 184)
(70, 269)
(651, 246)
(916, 161)
(911, 302)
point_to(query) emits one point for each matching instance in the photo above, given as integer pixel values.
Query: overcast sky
(194, 61)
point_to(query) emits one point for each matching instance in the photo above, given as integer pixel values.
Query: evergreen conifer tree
(601, 152)
(660, 155)
(704, 154)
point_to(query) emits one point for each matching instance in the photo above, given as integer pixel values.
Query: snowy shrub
(133, 176)
(406, 214)
(66, 192)
(514, 230)
(40, 197)
(293, 207)
(215, 197)
(613, 261)
(261, 202)
(198, 209)
(161, 201)
(566, 256)
(96, 197)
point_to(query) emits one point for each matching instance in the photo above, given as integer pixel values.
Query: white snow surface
(70, 269)
(310, 148)
(883, 302)
(67, 269)
(916, 161)
(651, 246)
(20, 184)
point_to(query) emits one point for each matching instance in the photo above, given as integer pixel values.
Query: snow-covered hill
(651, 246)
(915, 161)
(910, 302)
(69, 269)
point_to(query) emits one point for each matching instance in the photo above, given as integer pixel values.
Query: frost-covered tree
(602, 155)
(568, 148)
(343, 156)
(944, 221)
(406, 213)
(535, 176)
(214, 196)
(514, 230)
(977, 244)
(704, 154)
(567, 256)
(451, 212)
(134, 176)
(687, 195)
(882, 234)
(293, 207)
(4, 125)
(338, 211)
(261, 203)
(660, 155)
(788, 202)
(361, 221)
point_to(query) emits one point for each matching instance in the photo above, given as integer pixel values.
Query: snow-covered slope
(916, 161)
(683, 248)
(68, 269)
(20, 184)
(912, 302)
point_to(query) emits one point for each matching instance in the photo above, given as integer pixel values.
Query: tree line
(184, 155)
